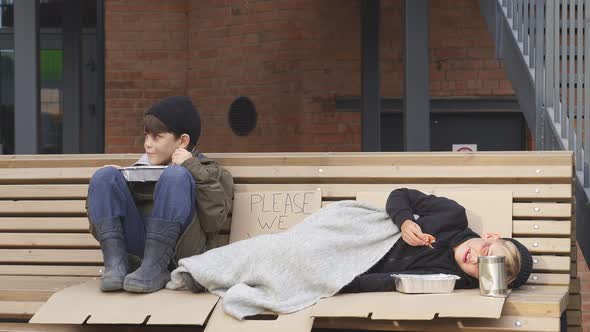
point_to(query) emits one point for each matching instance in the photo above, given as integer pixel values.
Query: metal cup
(492, 276)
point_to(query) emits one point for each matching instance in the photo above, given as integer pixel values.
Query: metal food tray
(425, 283)
(142, 173)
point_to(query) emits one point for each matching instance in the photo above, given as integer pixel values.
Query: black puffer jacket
(439, 216)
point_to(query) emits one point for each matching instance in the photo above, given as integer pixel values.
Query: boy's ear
(185, 139)
(491, 236)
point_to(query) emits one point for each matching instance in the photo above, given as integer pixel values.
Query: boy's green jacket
(214, 198)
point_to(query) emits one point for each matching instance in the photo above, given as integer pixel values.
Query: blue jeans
(110, 198)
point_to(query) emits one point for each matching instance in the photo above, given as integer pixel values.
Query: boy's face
(467, 252)
(159, 148)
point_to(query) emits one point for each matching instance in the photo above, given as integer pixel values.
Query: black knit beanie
(526, 264)
(180, 116)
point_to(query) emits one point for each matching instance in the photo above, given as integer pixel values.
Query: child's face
(159, 148)
(467, 252)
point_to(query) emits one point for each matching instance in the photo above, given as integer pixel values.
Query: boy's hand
(412, 235)
(180, 155)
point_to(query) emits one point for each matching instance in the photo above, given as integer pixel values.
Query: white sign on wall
(464, 147)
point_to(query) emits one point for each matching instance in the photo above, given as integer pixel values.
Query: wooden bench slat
(51, 270)
(541, 227)
(46, 175)
(504, 323)
(41, 224)
(47, 240)
(543, 245)
(34, 288)
(93, 256)
(18, 309)
(338, 190)
(528, 210)
(44, 208)
(48, 191)
(548, 279)
(311, 158)
(546, 245)
(550, 263)
(542, 210)
(349, 190)
(482, 173)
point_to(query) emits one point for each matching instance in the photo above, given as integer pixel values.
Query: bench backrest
(43, 226)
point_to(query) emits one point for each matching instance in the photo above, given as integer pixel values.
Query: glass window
(51, 66)
(6, 101)
(6, 14)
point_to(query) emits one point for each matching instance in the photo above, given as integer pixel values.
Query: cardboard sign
(270, 212)
(488, 211)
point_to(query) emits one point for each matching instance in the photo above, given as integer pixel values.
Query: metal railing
(552, 38)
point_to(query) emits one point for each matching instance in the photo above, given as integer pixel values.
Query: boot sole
(138, 288)
(111, 286)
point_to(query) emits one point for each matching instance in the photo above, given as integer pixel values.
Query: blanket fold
(288, 271)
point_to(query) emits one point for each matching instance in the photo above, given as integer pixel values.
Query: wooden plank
(545, 245)
(43, 208)
(313, 158)
(547, 210)
(541, 227)
(40, 191)
(542, 289)
(51, 270)
(34, 288)
(548, 279)
(47, 256)
(535, 245)
(546, 305)
(349, 190)
(41, 224)
(46, 175)
(542, 210)
(505, 323)
(550, 263)
(47, 240)
(18, 309)
(479, 174)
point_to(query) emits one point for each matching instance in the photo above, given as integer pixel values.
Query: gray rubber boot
(153, 274)
(112, 243)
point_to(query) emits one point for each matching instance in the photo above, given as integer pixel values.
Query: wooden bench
(45, 245)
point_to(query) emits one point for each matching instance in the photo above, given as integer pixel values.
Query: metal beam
(100, 76)
(72, 75)
(416, 81)
(26, 76)
(370, 77)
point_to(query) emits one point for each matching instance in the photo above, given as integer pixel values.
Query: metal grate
(242, 116)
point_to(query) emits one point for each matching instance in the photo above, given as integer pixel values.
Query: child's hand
(180, 155)
(412, 235)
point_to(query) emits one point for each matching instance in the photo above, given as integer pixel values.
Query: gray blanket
(286, 272)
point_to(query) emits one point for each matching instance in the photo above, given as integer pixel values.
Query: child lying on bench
(348, 246)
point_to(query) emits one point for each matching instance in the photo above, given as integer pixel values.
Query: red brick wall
(146, 59)
(292, 58)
